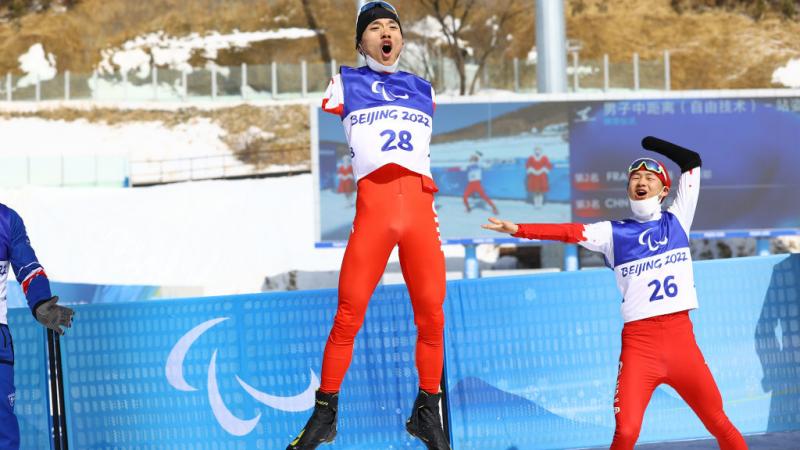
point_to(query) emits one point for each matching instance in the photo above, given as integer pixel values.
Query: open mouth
(641, 193)
(386, 49)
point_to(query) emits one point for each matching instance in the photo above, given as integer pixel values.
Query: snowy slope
(225, 236)
(33, 136)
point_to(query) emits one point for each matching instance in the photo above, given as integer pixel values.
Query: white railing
(222, 166)
(303, 79)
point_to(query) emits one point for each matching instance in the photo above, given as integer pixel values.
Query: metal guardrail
(301, 79)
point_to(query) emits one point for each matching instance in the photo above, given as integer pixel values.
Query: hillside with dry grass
(713, 43)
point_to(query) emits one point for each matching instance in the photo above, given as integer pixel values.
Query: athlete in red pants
(394, 207)
(653, 266)
(387, 117)
(474, 184)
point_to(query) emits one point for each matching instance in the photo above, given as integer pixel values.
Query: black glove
(53, 316)
(685, 159)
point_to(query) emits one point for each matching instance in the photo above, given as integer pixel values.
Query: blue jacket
(16, 251)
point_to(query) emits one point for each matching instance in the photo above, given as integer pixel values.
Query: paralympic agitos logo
(225, 418)
(379, 87)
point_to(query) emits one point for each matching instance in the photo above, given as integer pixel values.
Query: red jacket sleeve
(571, 233)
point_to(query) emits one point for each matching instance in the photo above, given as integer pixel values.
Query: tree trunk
(322, 38)
(458, 58)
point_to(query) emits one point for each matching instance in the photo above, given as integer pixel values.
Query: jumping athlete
(387, 117)
(16, 251)
(538, 168)
(653, 265)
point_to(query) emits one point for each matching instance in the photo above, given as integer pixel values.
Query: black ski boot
(425, 423)
(321, 427)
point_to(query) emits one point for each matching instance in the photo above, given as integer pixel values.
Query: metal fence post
(213, 82)
(155, 82)
(95, 87)
(243, 77)
(606, 75)
(333, 68)
(516, 74)
(667, 78)
(575, 71)
(9, 97)
(184, 86)
(66, 85)
(636, 71)
(304, 77)
(38, 89)
(274, 70)
(125, 86)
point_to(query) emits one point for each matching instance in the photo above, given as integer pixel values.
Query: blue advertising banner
(749, 150)
(530, 363)
(31, 405)
(565, 161)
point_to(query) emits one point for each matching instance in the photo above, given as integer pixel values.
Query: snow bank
(36, 65)
(138, 54)
(136, 140)
(788, 75)
(225, 236)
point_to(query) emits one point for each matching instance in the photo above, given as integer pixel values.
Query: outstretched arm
(593, 236)
(596, 237)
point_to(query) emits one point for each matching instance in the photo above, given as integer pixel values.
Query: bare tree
(491, 34)
(322, 38)
(472, 30)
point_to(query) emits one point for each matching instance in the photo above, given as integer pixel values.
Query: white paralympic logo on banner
(388, 96)
(226, 419)
(650, 244)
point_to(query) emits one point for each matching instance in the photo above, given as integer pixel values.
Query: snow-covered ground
(788, 75)
(225, 236)
(140, 53)
(221, 236)
(146, 151)
(33, 136)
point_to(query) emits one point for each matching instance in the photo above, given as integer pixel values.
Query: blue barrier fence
(530, 364)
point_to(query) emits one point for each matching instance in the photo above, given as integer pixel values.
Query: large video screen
(565, 161)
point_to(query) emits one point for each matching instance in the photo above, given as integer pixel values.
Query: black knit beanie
(371, 15)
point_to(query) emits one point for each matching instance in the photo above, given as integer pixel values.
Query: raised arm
(688, 192)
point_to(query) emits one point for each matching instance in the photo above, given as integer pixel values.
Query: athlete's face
(644, 184)
(382, 40)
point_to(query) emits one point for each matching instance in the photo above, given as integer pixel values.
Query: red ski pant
(392, 208)
(473, 187)
(662, 349)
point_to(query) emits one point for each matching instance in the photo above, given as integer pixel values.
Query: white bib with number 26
(653, 266)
